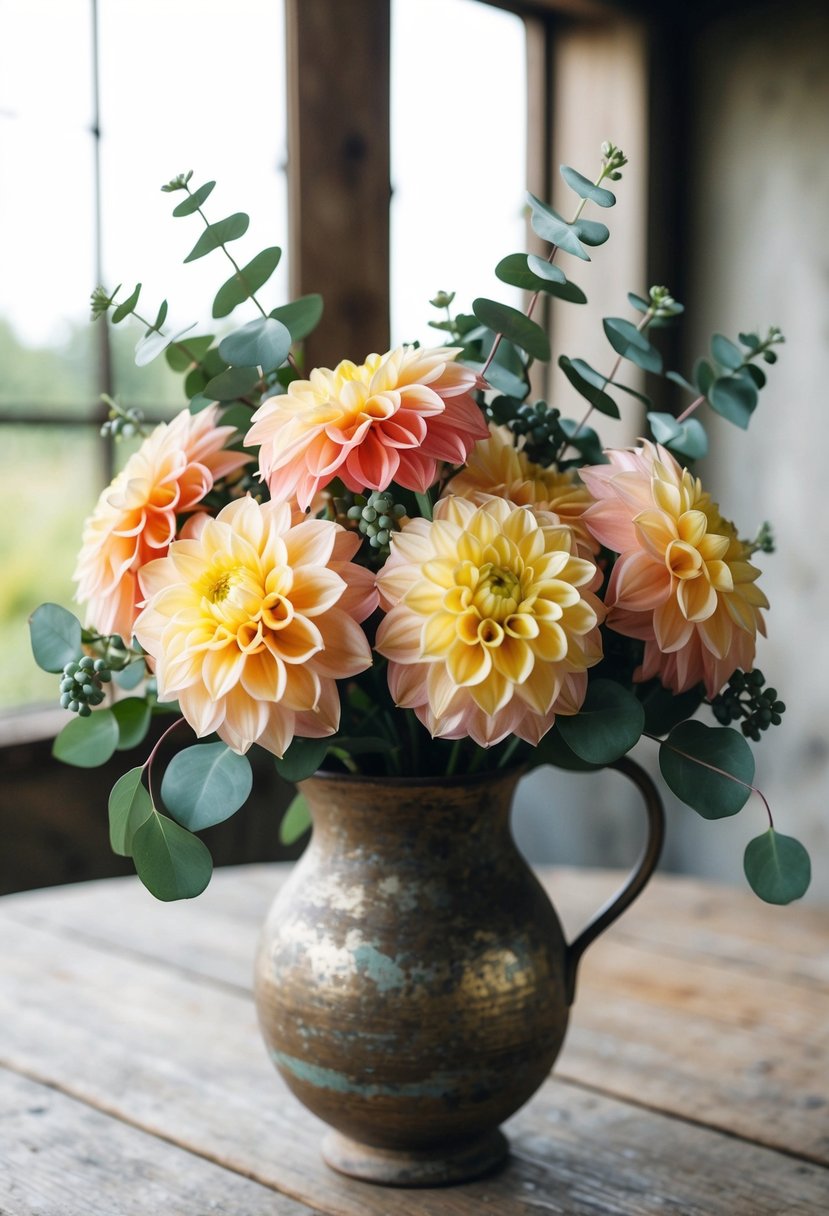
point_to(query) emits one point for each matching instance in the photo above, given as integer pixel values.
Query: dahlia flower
(496, 467)
(490, 629)
(390, 419)
(682, 583)
(134, 520)
(251, 623)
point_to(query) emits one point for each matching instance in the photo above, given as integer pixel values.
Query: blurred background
(387, 145)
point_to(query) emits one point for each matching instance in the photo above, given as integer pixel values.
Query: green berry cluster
(543, 436)
(745, 697)
(123, 424)
(81, 685)
(376, 517)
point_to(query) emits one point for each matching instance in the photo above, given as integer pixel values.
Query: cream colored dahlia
(251, 622)
(682, 583)
(135, 518)
(391, 418)
(495, 466)
(490, 628)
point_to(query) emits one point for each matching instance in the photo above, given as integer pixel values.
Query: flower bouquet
(410, 565)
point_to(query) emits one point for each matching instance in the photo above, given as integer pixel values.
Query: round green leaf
(263, 343)
(130, 677)
(734, 397)
(129, 807)
(609, 723)
(205, 784)
(181, 358)
(528, 272)
(230, 384)
(133, 716)
(628, 342)
(550, 226)
(726, 352)
(777, 867)
(295, 822)
(584, 188)
(553, 750)
(686, 439)
(194, 200)
(302, 758)
(87, 742)
(243, 283)
(588, 388)
(171, 862)
(216, 235)
(514, 325)
(300, 316)
(591, 232)
(55, 635)
(708, 767)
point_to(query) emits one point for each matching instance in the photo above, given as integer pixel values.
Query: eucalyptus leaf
(587, 389)
(584, 439)
(501, 378)
(726, 352)
(637, 302)
(553, 750)
(584, 188)
(504, 319)
(295, 822)
(55, 636)
(180, 358)
(302, 758)
(124, 310)
(591, 232)
(777, 867)
(516, 270)
(609, 723)
(752, 341)
(171, 862)
(87, 742)
(703, 376)
(194, 200)
(161, 315)
(676, 378)
(734, 398)
(300, 316)
(232, 383)
(628, 342)
(708, 767)
(216, 235)
(550, 226)
(243, 283)
(545, 270)
(150, 347)
(133, 716)
(206, 784)
(129, 806)
(130, 677)
(687, 438)
(757, 374)
(263, 343)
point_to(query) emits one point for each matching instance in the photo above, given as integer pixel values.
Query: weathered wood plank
(183, 1060)
(63, 1158)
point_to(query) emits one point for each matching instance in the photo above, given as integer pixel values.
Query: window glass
(458, 146)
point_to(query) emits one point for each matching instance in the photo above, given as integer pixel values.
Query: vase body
(410, 980)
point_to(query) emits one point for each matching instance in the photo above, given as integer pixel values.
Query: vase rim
(456, 779)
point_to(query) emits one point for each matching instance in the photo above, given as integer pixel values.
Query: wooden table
(694, 1079)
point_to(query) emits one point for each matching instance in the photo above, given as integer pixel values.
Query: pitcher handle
(640, 874)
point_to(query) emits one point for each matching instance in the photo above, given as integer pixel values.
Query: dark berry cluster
(534, 421)
(81, 685)
(744, 697)
(376, 517)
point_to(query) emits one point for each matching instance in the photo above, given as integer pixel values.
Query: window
(127, 93)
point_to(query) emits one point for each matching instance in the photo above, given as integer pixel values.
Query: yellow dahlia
(252, 621)
(391, 418)
(490, 628)
(682, 583)
(495, 466)
(134, 520)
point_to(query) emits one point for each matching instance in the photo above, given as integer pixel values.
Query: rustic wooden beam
(338, 171)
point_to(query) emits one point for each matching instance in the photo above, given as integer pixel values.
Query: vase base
(438, 1166)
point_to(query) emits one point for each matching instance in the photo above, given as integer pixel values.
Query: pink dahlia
(134, 520)
(490, 627)
(251, 622)
(682, 583)
(390, 419)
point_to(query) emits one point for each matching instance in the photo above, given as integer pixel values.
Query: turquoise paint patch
(328, 1078)
(379, 967)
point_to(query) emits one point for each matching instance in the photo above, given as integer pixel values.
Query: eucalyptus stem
(714, 769)
(148, 763)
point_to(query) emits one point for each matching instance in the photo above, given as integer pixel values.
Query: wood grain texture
(64, 1158)
(338, 175)
(142, 1013)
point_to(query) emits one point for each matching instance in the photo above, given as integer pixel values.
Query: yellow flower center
(220, 588)
(498, 593)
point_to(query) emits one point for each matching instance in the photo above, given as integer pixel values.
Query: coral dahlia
(391, 418)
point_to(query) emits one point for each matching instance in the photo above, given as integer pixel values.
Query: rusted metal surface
(412, 975)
